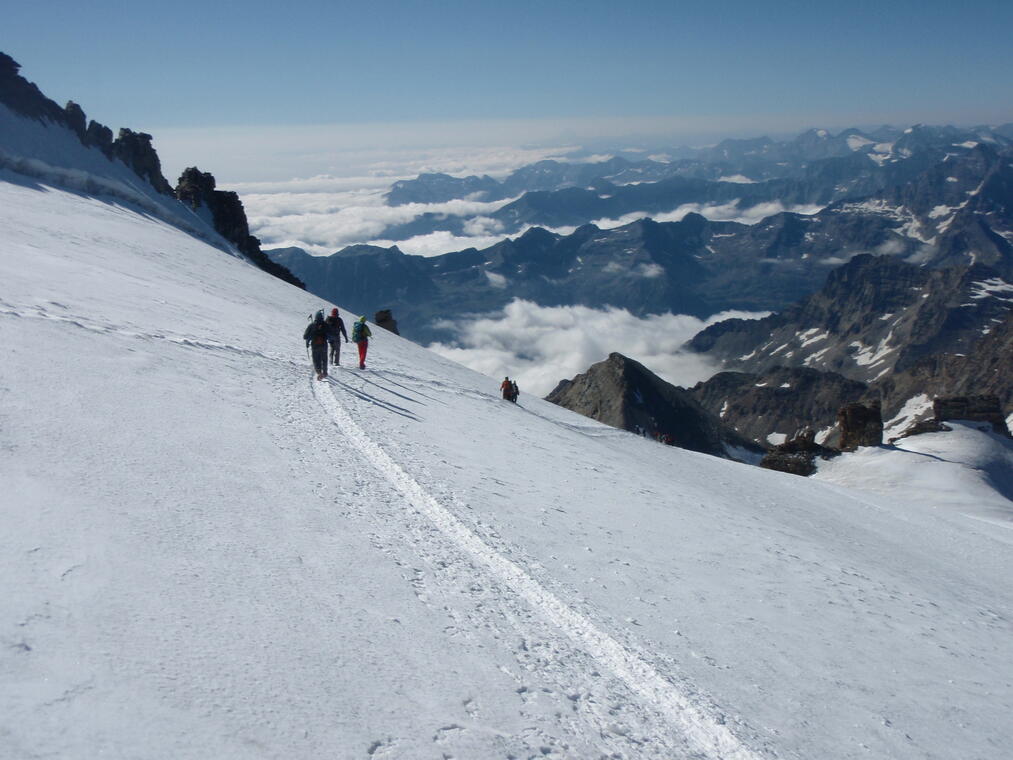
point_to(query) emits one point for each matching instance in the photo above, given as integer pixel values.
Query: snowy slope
(960, 475)
(205, 553)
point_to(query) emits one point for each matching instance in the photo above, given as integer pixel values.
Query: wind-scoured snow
(207, 553)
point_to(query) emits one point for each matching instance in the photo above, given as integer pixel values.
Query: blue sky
(199, 64)
(691, 69)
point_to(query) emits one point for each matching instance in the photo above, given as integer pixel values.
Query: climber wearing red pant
(360, 335)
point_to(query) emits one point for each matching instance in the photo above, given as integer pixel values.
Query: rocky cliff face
(779, 404)
(227, 216)
(909, 333)
(982, 408)
(625, 394)
(985, 369)
(874, 316)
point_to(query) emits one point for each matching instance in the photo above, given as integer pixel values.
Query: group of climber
(510, 389)
(324, 336)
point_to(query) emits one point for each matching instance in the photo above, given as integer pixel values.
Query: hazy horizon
(273, 92)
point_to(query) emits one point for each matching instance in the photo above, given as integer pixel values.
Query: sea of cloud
(324, 214)
(716, 212)
(327, 212)
(541, 345)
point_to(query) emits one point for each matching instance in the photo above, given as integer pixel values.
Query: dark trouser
(363, 346)
(320, 359)
(336, 352)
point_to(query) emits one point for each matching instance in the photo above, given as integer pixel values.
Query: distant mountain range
(817, 168)
(880, 329)
(899, 288)
(954, 212)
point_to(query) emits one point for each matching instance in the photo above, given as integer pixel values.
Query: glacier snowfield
(206, 553)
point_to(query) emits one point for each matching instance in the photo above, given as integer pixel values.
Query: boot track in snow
(705, 733)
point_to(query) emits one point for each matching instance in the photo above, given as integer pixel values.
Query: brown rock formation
(197, 189)
(973, 409)
(385, 319)
(797, 456)
(860, 425)
(135, 150)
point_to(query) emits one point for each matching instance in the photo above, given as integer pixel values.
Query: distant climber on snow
(317, 337)
(514, 391)
(337, 326)
(507, 387)
(361, 335)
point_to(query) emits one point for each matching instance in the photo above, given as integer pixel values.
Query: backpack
(357, 332)
(318, 337)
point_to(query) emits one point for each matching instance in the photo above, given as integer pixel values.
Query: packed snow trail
(704, 732)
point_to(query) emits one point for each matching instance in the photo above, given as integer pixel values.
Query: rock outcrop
(197, 190)
(132, 148)
(972, 409)
(385, 319)
(623, 393)
(135, 150)
(224, 210)
(860, 425)
(797, 456)
(983, 370)
(782, 402)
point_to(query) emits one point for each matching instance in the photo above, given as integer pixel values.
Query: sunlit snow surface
(206, 553)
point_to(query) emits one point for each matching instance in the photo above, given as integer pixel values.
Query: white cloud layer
(716, 212)
(541, 345)
(324, 222)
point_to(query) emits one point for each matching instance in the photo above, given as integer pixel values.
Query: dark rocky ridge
(135, 150)
(985, 369)
(936, 333)
(197, 190)
(874, 316)
(623, 393)
(132, 148)
(972, 409)
(782, 400)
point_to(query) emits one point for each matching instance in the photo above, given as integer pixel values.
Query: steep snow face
(54, 156)
(206, 553)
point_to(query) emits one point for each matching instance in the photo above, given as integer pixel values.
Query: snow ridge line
(710, 737)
